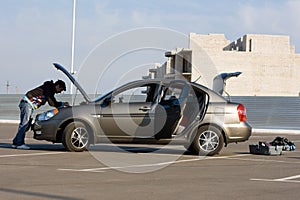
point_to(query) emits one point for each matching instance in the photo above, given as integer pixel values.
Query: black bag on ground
(286, 144)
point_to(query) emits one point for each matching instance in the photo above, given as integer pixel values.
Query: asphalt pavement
(130, 171)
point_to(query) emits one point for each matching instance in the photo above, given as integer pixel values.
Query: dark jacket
(42, 94)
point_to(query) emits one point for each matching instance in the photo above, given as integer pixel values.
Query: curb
(275, 131)
(9, 121)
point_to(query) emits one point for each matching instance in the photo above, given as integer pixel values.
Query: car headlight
(47, 115)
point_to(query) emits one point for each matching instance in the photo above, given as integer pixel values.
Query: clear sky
(36, 33)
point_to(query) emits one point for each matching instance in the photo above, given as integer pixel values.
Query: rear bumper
(238, 132)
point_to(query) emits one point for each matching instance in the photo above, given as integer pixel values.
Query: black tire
(76, 137)
(208, 141)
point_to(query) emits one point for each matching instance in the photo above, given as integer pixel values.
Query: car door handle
(144, 108)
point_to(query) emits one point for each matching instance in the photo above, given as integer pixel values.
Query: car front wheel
(208, 141)
(76, 137)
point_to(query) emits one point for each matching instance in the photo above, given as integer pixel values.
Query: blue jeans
(25, 115)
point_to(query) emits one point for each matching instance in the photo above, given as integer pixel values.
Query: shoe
(13, 146)
(23, 146)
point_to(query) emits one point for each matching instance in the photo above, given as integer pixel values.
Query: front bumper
(45, 130)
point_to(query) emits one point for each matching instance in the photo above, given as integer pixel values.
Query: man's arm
(53, 102)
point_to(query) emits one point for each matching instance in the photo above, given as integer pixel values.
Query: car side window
(144, 93)
(172, 92)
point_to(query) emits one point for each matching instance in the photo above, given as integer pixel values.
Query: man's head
(60, 86)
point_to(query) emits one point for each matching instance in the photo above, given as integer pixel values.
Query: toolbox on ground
(264, 148)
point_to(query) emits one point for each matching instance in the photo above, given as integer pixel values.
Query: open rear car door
(170, 107)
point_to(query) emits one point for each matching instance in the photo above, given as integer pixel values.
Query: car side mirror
(106, 102)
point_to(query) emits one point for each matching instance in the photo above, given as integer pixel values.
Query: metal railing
(271, 112)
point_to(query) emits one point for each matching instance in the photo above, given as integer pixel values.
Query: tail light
(242, 112)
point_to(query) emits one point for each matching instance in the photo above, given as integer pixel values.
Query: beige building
(269, 64)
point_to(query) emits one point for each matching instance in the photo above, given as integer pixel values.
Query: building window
(172, 64)
(186, 66)
(186, 62)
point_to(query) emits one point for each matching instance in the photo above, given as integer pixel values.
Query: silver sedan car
(147, 111)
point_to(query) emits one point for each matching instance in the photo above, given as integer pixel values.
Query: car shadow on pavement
(105, 148)
(108, 148)
(45, 147)
(241, 153)
(138, 149)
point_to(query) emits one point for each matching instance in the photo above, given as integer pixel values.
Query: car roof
(214, 96)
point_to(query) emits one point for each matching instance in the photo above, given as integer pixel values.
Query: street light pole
(73, 43)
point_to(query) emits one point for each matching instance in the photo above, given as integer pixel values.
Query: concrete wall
(269, 65)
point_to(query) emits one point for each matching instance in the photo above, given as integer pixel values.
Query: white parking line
(102, 169)
(263, 160)
(30, 154)
(285, 179)
(289, 178)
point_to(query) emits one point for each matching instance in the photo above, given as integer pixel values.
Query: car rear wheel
(208, 141)
(76, 137)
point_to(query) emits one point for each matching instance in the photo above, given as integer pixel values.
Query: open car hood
(73, 80)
